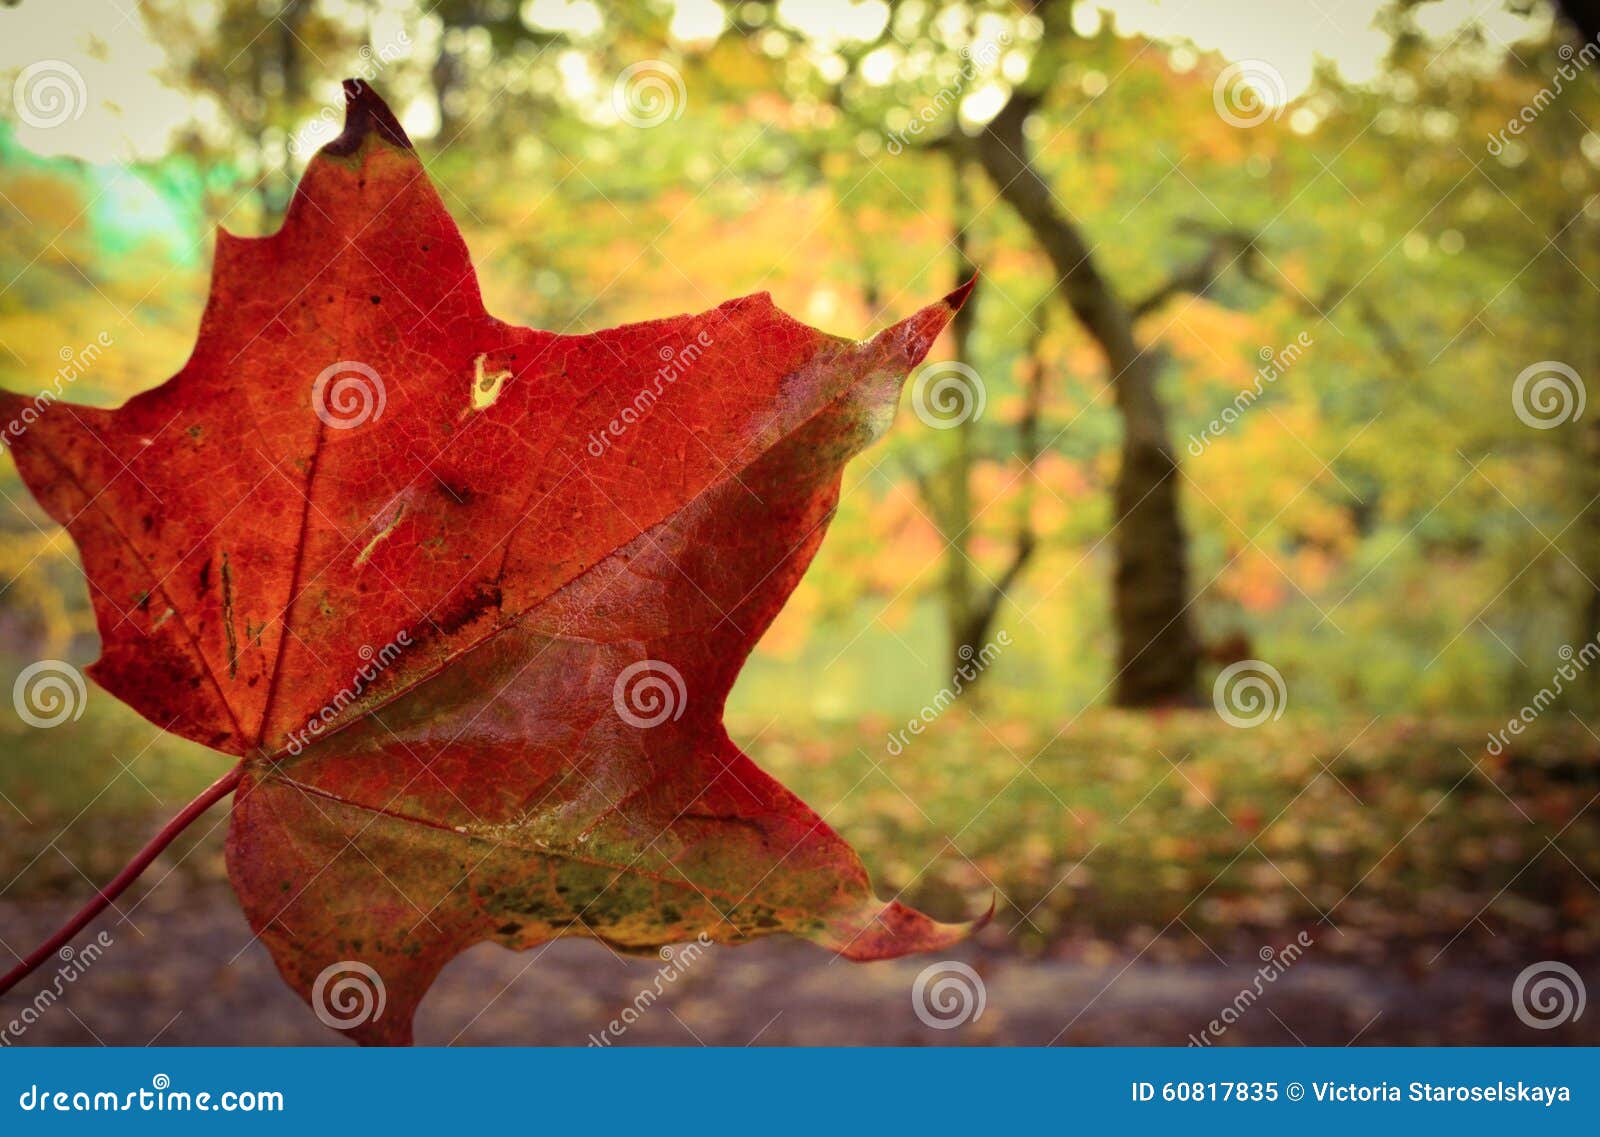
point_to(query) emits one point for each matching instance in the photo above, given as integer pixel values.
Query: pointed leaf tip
(913, 337)
(983, 921)
(365, 113)
(957, 299)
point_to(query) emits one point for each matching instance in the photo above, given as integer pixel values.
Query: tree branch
(1369, 313)
(1225, 248)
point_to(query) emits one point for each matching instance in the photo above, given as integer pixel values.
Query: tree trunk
(972, 632)
(1157, 654)
(971, 601)
(955, 511)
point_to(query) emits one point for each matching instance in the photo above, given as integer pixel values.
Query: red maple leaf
(467, 599)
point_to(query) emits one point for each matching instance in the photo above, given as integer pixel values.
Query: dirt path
(192, 975)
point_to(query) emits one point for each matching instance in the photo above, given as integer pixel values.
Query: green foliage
(1379, 522)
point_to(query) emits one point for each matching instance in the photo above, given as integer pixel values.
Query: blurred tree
(1157, 652)
(257, 61)
(972, 599)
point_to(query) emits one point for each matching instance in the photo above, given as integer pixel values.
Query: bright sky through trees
(130, 111)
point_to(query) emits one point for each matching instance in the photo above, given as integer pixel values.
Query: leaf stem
(213, 793)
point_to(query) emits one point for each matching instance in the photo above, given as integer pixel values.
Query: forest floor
(1142, 866)
(196, 977)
